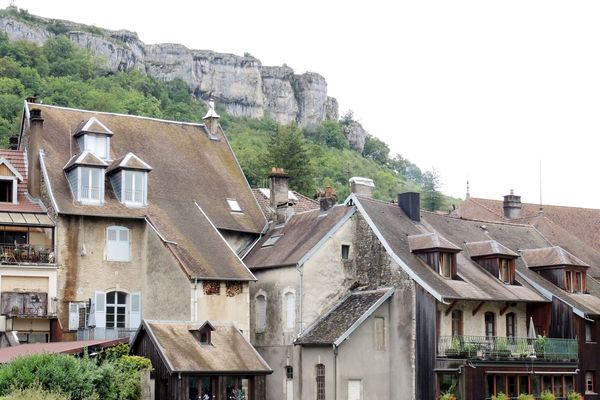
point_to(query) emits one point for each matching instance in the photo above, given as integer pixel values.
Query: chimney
(328, 200)
(13, 142)
(362, 186)
(410, 203)
(211, 120)
(31, 99)
(278, 187)
(32, 145)
(512, 206)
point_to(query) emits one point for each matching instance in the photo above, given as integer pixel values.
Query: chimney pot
(410, 203)
(13, 142)
(512, 206)
(31, 99)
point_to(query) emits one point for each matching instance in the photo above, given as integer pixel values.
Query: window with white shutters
(117, 243)
(134, 188)
(290, 311)
(261, 313)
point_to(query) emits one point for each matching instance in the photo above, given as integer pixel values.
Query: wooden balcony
(503, 348)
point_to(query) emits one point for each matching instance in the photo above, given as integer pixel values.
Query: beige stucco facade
(223, 306)
(474, 325)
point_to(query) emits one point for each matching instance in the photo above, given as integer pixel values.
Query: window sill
(134, 205)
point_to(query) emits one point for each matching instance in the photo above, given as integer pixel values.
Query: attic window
(575, 281)
(446, 264)
(8, 190)
(506, 270)
(205, 337)
(234, 205)
(272, 240)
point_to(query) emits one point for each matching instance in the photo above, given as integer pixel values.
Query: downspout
(300, 270)
(335, 369)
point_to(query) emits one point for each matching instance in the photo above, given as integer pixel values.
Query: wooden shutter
(354, 389)
(135, 313)
(73, 316)
(100, 309)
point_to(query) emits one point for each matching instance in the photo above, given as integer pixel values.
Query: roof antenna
(541, 204)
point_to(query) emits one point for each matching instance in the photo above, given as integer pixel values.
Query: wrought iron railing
(105, 333)
(541, 348)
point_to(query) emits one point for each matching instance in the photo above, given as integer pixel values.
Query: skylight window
(234, 205)
(271, 241)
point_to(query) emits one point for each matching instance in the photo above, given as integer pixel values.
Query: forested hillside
(59, 73)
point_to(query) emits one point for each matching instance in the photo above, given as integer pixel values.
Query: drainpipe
(195, 308)
(301, 272)
(335, 377)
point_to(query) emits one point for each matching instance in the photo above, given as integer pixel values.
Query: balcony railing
(22, 253)
(105, 333)
(483, 347)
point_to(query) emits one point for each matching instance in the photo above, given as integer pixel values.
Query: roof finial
(468, 193)
(211, 113)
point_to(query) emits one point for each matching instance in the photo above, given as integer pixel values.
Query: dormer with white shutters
(93, 136)
(85, 173)
(129, 180)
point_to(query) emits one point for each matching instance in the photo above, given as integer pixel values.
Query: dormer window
(574, 281)
(93, 136)
(9, 179)
(86, 178)
(495, 258)
(203, 334)
(129, 179)
(506, 270)
(558, 266)
(438, 253)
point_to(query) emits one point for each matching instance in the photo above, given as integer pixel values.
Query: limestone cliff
(242, 85)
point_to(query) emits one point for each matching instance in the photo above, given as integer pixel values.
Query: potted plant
(524, 396)
(522, 349)
(540, 343)
(499, 396)
(449, 394)
(501, 348)
(469, 350)
(547, 396)
(574, 396)
(454, 349)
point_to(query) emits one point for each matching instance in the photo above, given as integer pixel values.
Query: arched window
(320, 373)
(490, 325)
(261, 313)
(290, 311)
(511, 325)
(117, 243)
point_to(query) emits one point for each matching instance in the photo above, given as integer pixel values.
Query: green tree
(432, 198)
(330, 134)
(288, 150)
(376, 150)
(67, 60)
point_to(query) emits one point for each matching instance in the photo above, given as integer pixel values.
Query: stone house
(150, 216)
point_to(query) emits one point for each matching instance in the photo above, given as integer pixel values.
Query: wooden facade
(426, 316)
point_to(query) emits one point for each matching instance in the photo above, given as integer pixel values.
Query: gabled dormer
(438, 253)
(93, 136)
(129, 180)
(203, 333)
(495, 258)
(9, 180)
(85, 173)
(558, 266)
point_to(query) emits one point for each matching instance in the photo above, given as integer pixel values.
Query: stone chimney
(211, 120)
(32, 145)
(512, 206)
(279, 188)
(328, 200)
(410, 203)
(362, 186)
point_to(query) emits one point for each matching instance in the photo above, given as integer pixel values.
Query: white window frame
(92, 142)
(352, 395)
(14, 187)
(234, 206)
(260, 314)
(81, 171)
(135, 176)
(289, 310)
(115, 250)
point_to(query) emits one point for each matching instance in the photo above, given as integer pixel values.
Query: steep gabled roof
(300, 203)
(341, 320)
(229, 352)
(128, 161)
(86, 158)
(92, 125)
(392, 227)
(300, 237)
(186, 164)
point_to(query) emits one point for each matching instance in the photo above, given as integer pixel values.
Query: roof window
(272, 240)
(234, 205)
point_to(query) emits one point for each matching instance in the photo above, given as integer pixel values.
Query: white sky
(477, 89)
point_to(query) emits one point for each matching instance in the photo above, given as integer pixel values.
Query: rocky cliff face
(242, 85)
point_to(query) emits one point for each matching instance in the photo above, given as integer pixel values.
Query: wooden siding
(589, 353)
(5, 171)
(562, 320)
(431, 259)
(554, 275)
(541, 317)
(426, 317)
(490, 265)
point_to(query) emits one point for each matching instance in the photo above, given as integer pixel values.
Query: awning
(16, 218)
